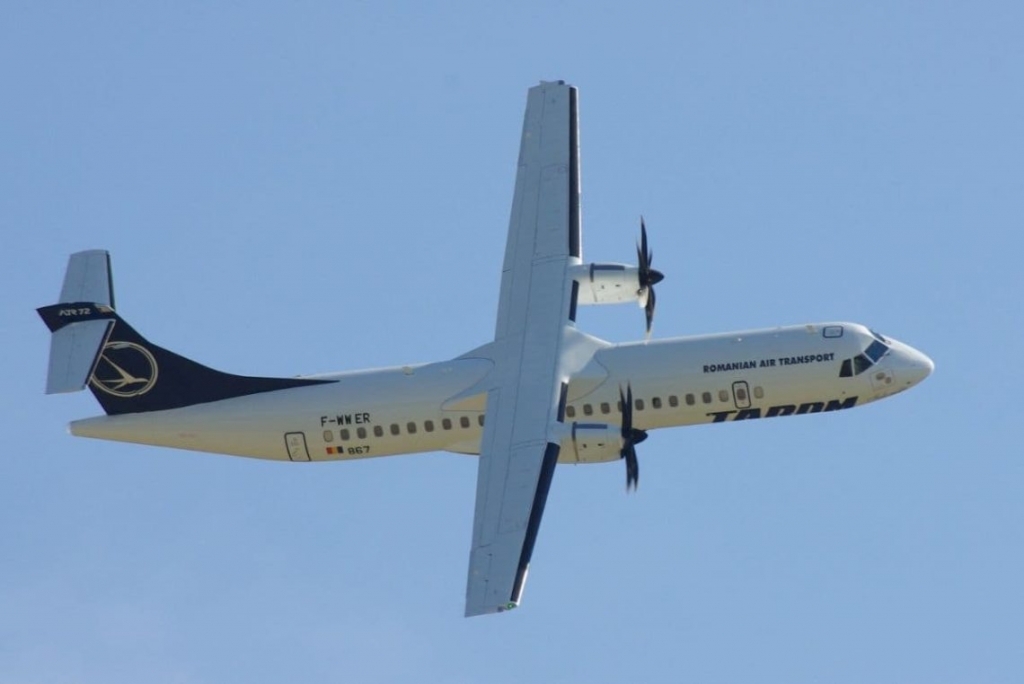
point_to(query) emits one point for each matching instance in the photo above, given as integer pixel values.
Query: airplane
(543, 392)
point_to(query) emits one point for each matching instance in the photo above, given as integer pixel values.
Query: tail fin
(126, 373)
(78, 335)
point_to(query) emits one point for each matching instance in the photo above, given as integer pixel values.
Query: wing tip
(474, 611)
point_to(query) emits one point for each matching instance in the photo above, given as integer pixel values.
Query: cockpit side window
(860, 364)
(879, 337)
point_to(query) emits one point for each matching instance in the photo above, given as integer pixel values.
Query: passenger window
(723, 395)
(690, 400)
(411, 427)
(446, 423)
(570, 411)
(428, 425)
(464, 421)
(741, 394)
(328, 436)
(343, 434)
(639, 404)
(759, 392)
(606, 407)
(588, 410)
(378, 431)
(656, 402)
(480, 420)
(673, 400)
(361, 433)
(395, 429)
(706, 397)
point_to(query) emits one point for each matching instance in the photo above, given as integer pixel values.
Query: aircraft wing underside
(526, 394)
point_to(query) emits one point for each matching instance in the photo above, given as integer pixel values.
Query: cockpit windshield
(878, 348)
(875, 351)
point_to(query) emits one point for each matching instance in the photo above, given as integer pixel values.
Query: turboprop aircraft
(542, 392)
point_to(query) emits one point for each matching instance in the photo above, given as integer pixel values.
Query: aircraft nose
(914, 365)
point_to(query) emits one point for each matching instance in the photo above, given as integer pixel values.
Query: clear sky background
(305, 187)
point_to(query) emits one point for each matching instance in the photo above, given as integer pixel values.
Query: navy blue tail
(131, 374)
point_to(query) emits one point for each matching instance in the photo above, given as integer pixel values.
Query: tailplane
(91, 345)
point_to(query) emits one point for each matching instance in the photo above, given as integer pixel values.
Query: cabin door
(296, 445)
(741, 394)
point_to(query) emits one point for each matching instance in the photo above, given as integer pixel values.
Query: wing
(526, 398)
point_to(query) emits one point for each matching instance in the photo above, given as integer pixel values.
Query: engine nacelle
(593, 443)
(607, 283)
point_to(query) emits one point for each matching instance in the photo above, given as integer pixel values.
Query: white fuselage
(433, 407)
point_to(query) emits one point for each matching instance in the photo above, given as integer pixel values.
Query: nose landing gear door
(296, 445)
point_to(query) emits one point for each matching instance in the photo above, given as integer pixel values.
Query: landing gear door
(741, 394)
(296, 444)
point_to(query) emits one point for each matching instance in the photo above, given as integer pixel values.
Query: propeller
(648, 276)
(630, 438)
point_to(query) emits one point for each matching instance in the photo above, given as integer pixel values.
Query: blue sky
(305, 187)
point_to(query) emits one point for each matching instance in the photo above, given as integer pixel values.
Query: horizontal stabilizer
(74, 351)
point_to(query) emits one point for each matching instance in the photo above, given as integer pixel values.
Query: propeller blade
(627, 426)
(630, 438)
(649, 309)
(626, 414)
(632, 467)
(647, 276)
(645, 260)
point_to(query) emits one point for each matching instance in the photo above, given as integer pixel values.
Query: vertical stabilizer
(80, 322)
(93, 346)
(88, 279)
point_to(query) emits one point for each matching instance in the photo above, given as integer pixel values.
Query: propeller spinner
(648, 276)
(630, 438)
